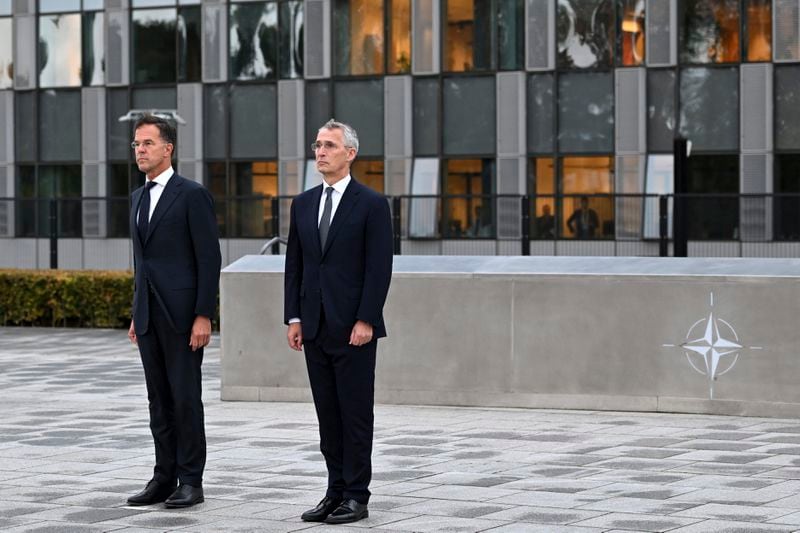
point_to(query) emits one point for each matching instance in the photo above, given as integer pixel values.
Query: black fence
(669, 221)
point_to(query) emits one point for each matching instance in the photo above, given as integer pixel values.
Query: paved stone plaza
(74, 443)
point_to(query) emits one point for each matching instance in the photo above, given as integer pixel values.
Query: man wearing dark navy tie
(338, 269)
(177, 264)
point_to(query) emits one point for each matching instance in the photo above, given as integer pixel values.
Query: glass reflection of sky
(6, 57)
(585, 33)
(60, 50)
(59, 6)
(5, 7)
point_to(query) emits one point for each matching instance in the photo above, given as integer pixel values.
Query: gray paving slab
(74, 443)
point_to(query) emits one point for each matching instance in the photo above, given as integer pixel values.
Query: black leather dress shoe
(185, 496)
(348, 511)
(322, 510)
(154, 492)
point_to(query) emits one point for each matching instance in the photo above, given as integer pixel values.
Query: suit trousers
(342, 381)
(174, 392)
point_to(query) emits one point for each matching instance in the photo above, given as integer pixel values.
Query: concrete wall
(583, 333)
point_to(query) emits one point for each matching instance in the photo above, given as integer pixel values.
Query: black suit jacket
(350, 278)
(179, 259)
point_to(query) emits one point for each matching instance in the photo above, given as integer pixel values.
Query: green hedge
(66, 298)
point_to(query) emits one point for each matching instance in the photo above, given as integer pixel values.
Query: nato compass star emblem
(712, 347)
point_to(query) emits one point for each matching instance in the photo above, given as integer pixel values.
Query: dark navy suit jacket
(350, 278)
(179, 259)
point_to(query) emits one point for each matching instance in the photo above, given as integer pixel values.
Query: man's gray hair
(349, 134)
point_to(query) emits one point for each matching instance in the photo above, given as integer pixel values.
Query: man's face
(333, 158)
(153, 155)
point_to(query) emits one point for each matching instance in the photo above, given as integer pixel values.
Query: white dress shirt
(156, 190)
(336, 196)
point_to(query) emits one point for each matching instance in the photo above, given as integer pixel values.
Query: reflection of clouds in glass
(60, 50)
(709, 111)
(6, 57)
(252, 41)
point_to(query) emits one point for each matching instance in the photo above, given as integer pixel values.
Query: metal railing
(608, 224)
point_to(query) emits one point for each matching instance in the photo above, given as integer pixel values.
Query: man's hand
(295, 336)
(132, 333)
(201, 332)
(361, 334)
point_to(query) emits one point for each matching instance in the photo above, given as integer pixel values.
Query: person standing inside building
(177, 265)
(338, 270)
(584, 221)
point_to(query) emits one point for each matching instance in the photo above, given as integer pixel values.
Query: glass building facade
(569, 101)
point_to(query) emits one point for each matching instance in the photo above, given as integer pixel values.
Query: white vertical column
(94, 160)
(511, 145)
(190, 135)
(7, 188)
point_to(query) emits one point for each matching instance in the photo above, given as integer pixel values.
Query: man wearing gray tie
(338, 269)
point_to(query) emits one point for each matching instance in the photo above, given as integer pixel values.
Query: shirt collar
(164, 177)
(340, 185)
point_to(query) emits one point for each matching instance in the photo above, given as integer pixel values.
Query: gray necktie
(325, 223)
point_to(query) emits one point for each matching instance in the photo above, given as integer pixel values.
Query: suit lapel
(171, 191)
(135, 199)
(349, 199)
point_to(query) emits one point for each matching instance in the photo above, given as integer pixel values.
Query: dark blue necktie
(144, 211)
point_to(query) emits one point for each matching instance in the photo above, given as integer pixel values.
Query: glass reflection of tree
(585, 33)
(253, 41)
(154, 49)
(710, 31)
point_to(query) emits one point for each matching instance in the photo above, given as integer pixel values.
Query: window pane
(787, 107)
(26, 215)
(709, 31)
(586, 112)
(253, 40)
(290, 22)
(541, 185)
(469, 35)
(119, 133)
(25, 125)
(540, 117)
(511, 34)
(713, 217)
(60, 50)
(660, 110)
(253, 135)
(659, 179)
(189, 44)
(5, 7)
(587, 212)
(787, 180)
(117, 213)
(93, 5)
(630, 32)
(369, 172)
(426, 116)
(318, 109)
(154, 45)
(360, 104)
(6, 53)
(155, 98)
(758, 30)
(216, 121)
(217, 184)
(59, 6)
(64, 182)
(358, 34)
(469, 116)
(252, 217)
(94, 58)
(585, 33)
(400, 35)
(465, 211)
(710, 108)
(60, 125)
